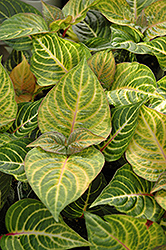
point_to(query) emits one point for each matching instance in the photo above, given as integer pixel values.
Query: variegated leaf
(156, 16)
(12, 156)
(122, 232)
(29, 221)
(20, 44)
(22, 24)
(26, 119)
(133, 198)
(53, 57)
(9, 8)
(53, 142)
(51, 13)
(60, 24)
(77, 101)
(147, 149)
(124, 123)
(160, 184)
(76, 209)
(94, 25)
(5, 186)
(23, 81)
(158, 104)
(160, 197)
(59, 180)
(103, 65)
(4, 138)
(8, 105)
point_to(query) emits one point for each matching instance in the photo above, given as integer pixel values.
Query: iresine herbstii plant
(82, 137)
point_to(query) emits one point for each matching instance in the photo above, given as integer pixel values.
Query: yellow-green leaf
(160, 197)
(147, 149)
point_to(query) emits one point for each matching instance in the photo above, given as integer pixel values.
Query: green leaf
(22, 24)
(8, 105)
(94, 25)
(133, 198)
(156, 20)
(21, 43)
(162, 84)
(4, 138)
(158, 104)
(12, 156)
(9, 8)
(133, 82)
(30, 221)
(5, 186)
(78, 9)
(76, 209)
(103, 65)
(160, 184)
(81, 138)
(51, 13)
(77, 101)
(60, 24)
(26, 119)
(160, 197)
(122, 232)
(53, 57)
(59, 180)
(53, 142)
(147, 149)
(124, 123)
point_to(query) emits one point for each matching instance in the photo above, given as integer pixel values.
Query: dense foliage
(83, 125)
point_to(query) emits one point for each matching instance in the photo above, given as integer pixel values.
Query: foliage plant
(83, 125)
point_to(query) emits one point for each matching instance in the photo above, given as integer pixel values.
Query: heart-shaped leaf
(122, 232)
(48, 63)
(22, 24)
(133, 198)
(8, 105)
(103, 65)
(124, 123)
(12, 7)
(23, 81)
(94, 25)
(59, 180)
(5, 186)
(77, 208)
(26, 119)
(147, 149)
(77, 101)
(160, 184)
(29, 220)
(12, 157)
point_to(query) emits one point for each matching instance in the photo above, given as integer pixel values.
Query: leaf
(53, 142)
(12, 157)
(147, 149)
(162, 84)
(22, 24)
(156, 20)
(60, 24)
(59, 180)
(51, 13)
(53, 57)
(103, 65)
(21, 43)
(5, 186)
(4, 138)
(81, 138)
(160, 184)
(122, 232)
(30, 221)
(77, 101)
(11, 7)
(160, 197)
(130, 194)
(26, 119)
(124, 123)
(23, 81)
(78, 9)
(158, 104)
(94, 25)
(133, 82)
(8, 106)
(13, 60)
